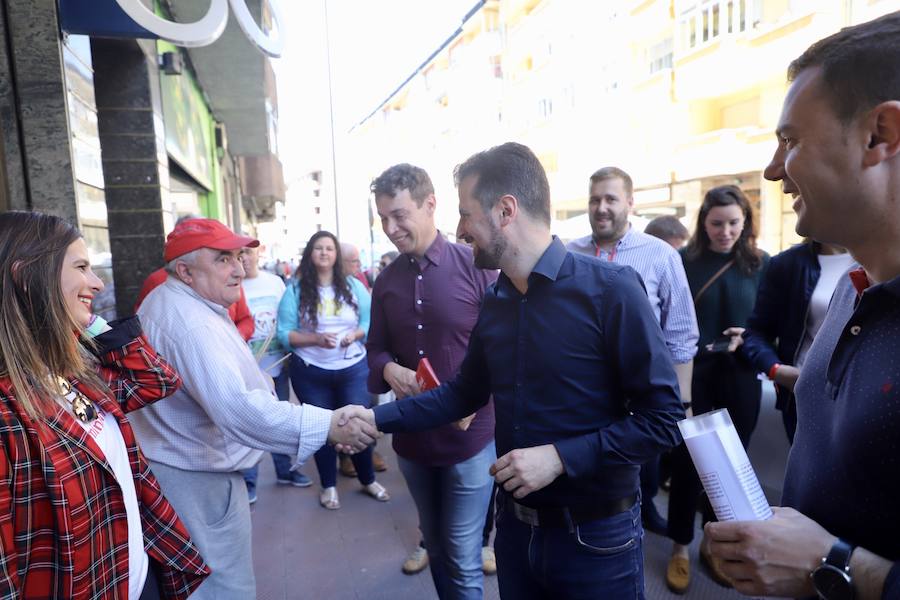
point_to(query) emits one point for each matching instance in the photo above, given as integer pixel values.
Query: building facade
(682, 94)
(122, 136)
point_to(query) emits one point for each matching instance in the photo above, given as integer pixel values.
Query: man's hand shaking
(352, 429)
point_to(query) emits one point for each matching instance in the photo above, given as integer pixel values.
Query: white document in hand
(724, 469)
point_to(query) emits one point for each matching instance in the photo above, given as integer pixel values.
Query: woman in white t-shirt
(324, 317)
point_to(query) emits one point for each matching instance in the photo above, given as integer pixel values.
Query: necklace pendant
(84, 409)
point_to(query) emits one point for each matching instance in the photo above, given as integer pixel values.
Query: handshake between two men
(349, 433)
(520, 471)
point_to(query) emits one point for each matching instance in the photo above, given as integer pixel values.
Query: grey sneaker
(296, 479)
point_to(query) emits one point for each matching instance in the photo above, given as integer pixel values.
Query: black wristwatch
(832, 579)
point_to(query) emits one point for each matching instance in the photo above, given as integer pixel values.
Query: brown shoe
(678, 574)
(713, 565)
(488, 561)
(416, 561)
(347, 468)
(378, 462)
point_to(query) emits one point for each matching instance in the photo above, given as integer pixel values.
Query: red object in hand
(425, 376)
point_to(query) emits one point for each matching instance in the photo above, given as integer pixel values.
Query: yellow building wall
(592, 84)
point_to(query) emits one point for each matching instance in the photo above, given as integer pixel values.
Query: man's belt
(569, 516)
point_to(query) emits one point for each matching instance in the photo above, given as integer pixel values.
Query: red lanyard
(612, 254)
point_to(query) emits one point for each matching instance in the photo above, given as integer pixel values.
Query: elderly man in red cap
(226, 414)
(239, 312)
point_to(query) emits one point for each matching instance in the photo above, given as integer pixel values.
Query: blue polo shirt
(578, 361)
(844, 465)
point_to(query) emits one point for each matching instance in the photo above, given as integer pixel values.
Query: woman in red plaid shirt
(81, 515)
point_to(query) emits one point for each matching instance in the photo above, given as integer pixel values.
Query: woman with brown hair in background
(724, 268)
(324, 317)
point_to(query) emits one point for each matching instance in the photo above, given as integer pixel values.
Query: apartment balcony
(262, 185)
(738, 150)
(723, 46)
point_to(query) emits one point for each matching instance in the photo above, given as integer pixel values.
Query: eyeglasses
(354, 350)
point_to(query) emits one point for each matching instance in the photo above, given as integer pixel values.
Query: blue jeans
(451, 502)
(282, 462)
(599, 559)
(333, 389)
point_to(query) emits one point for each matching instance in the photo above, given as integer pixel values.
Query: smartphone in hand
(720, 344)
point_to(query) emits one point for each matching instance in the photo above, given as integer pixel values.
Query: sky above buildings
(375, 45)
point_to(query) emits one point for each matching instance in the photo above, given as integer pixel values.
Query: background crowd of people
(129, 448)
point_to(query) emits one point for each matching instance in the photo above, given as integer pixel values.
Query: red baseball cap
(193, 234)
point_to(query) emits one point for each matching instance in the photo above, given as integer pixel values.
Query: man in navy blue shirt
(838, 155)
(583, 386)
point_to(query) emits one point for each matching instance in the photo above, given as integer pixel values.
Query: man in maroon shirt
(424, 305)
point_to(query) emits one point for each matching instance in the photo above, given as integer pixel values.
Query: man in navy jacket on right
(838, 154)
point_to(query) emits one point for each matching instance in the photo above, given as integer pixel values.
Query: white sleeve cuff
(314, 426)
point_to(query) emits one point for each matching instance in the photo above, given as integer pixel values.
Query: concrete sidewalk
(304, 552)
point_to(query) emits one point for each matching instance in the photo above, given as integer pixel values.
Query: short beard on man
(618, 224)
(488, 257)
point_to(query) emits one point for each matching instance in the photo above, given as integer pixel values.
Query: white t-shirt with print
(341, 322)
(263, 294)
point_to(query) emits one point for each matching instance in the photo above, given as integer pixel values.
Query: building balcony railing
(708, 21)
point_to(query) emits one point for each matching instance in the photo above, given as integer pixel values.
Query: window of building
(272, 127)
(568, 96)
(496, 63)
(659, 56)
(491, 20)
(545, 107)
(700, 23)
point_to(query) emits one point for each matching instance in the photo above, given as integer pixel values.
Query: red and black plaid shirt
(63, 527)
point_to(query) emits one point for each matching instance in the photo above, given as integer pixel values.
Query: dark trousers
(489, 519)
(720, 381)
(789, 418)
(332, 390)
(151, 584)
(649, 480)
(598, 560)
